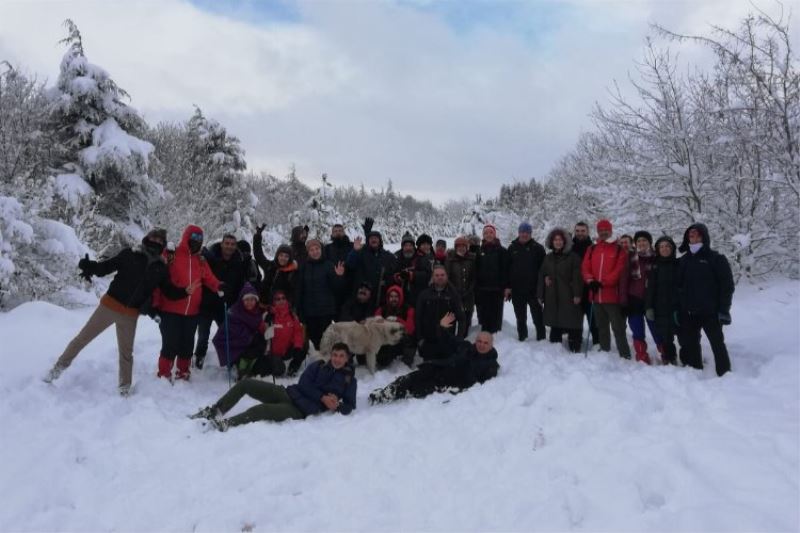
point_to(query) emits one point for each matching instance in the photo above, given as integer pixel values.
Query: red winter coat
(408, 320)
(607, 263)
(288, 331)
(184, 269)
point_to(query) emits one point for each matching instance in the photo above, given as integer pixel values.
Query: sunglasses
(196, 237)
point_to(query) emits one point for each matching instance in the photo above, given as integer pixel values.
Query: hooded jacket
(185, 269)
(662, 291)
(403, 313)
(607, 263)
(564, 271)
(243, 326)
(316, 289)
(288, 332)
(419, 270)
(319, 379)
(705, 281)
(461, 273)
(368, 264)
(276, 277)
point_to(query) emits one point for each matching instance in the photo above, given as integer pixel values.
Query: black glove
(87, 267)
(724, 318)
(367, 225)
(594, 285)
(260, 229)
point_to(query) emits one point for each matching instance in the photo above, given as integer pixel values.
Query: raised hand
(367, 226)
(260, 229)
(447, 320)
(339, 268)
(358, 243)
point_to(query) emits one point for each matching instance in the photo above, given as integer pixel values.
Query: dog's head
(395, 332)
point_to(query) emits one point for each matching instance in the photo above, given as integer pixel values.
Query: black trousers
(667, 334)
(689, 338)
(417, 384)
(405, 349)
(432, 349)
(489, 304)
(521, 304)
(204, 332)
(177, 335)
(315, 327)
(574, 337)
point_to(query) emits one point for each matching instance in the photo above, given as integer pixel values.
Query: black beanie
(424, 238)
(645, 234)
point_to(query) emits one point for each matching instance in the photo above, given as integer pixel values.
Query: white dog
(366, 338)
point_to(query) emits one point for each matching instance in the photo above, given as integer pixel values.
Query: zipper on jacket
(189, 299)
(600, 277)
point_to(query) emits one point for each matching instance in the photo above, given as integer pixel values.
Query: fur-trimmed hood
(548, 242)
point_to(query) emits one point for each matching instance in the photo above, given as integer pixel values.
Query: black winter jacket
(465, 367)
(524, 262)
(491, 267)
(705, 281)
(336, 251)
(355, 311)
(367, 265)
(317, 284)
(138, 275)
(461, 273)
(662, 295)
(432, 305)
(232, 273)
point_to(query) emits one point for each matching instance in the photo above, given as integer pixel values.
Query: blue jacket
(319, 379)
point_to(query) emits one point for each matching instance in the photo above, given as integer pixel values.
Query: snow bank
(556, 442)
(72, 188)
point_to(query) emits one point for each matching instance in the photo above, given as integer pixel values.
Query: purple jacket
(242, 327)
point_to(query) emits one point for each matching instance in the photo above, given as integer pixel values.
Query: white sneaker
(54, 373)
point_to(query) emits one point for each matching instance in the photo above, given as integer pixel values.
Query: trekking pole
(588, 331)
(227, 344)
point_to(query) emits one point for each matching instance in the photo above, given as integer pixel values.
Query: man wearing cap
(525, 257)
(139, 271)
(460, 267)
(317, 284)
(491, 280)
(605, 271)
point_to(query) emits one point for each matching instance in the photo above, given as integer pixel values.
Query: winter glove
(650, 315)
(260, 229)
(594, 285)
(675, 318)
(221, 289)
(367, 225)
(724, 318)
(269, 333)
(86, 266)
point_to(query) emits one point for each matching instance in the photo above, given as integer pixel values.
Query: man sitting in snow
(467, 364)
(323, 386)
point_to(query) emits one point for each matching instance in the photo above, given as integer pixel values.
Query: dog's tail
(326, 343)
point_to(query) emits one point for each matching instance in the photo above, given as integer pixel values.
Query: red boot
(641, 351)
(165, 367)
(184, 363)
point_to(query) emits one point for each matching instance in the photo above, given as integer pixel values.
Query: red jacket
(184, 269)
(407, 320)
(607, 263)
(288, 331)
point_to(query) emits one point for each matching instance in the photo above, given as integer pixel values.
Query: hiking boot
(220, 424)
(54, 373)
(199, 361)
(165, 367)
(183, 371)
(208, 412)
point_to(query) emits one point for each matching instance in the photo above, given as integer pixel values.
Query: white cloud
(367, 91)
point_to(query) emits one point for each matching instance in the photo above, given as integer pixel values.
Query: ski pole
(588, 331)
(227, 343)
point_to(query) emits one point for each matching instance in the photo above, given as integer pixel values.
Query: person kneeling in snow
(466, 365)
(324, 386)
(246, 329)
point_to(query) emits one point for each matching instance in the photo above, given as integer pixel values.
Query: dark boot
(183, 365)
(522, 331)
(199, 360)
(165, 367)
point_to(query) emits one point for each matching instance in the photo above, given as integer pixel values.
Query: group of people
(269, 312)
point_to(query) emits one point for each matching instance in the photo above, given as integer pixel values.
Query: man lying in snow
(466, 365)
(323, 386)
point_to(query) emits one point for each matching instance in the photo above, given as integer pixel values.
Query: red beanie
(604, 225)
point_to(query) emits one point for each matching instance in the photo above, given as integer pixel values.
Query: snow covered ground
(556, 442)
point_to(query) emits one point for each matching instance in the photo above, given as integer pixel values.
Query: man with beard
(337, 251)
(581, 241)
(371, 263)
(360, 306)
(435, 302)
(139, 271)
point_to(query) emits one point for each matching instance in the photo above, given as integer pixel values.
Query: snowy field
(557, 442)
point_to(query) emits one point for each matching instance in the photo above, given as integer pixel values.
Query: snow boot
(199, 361)
(220, 424)
(207, 412)
(165, 367)
(54, 373)
(183, 365)
(384, 395)
(641, 351)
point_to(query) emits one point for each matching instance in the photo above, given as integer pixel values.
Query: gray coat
(565, 270)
